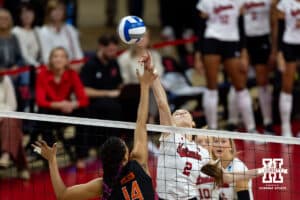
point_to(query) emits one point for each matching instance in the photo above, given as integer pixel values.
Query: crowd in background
(104, 87)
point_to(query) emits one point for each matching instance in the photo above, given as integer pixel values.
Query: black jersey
(134, 183)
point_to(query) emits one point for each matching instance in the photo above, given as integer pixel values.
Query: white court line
(151, 127)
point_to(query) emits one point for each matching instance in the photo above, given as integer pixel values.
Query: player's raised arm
(160, 95)
(92, 189)
(140, 147)
(165, 115)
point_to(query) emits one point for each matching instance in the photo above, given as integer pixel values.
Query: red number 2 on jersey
(187, 169)
(136, 193)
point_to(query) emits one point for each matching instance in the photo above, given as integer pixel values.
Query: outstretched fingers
(146, 60)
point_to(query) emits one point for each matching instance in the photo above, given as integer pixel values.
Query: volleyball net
(80, 138)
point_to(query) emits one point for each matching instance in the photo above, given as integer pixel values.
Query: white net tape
(151, 127)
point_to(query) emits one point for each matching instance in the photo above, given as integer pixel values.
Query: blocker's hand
(147, 77)
(147, 61)
(42, 148)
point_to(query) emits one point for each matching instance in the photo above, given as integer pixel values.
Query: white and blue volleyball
(131, 29)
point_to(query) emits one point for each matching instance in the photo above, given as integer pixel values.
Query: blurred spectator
(10, 54)
(27, 35)
(11, 57)
(102, 80)
(56, 84)
(38, 5)
(129, 61)
(56, 87)
(56, 32)
(11, 134)
(29, 41)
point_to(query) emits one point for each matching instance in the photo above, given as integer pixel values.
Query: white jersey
(178, 167)
(227, 191)
(291, 8)
(257, 17)
(222, 22)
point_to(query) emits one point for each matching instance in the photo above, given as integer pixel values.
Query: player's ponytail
(112, 154)
(214, 169)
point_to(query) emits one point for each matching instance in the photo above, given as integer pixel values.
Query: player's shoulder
(137, 169)
(238, 165)
(203, 151)
(134, 165)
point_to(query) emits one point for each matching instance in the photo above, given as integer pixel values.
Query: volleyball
(131, 29)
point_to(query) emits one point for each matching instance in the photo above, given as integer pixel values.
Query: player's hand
(42, 148)
(147, 77)
(281, 62)
(146, 61)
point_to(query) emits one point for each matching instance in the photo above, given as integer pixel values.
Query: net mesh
(80, 138)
